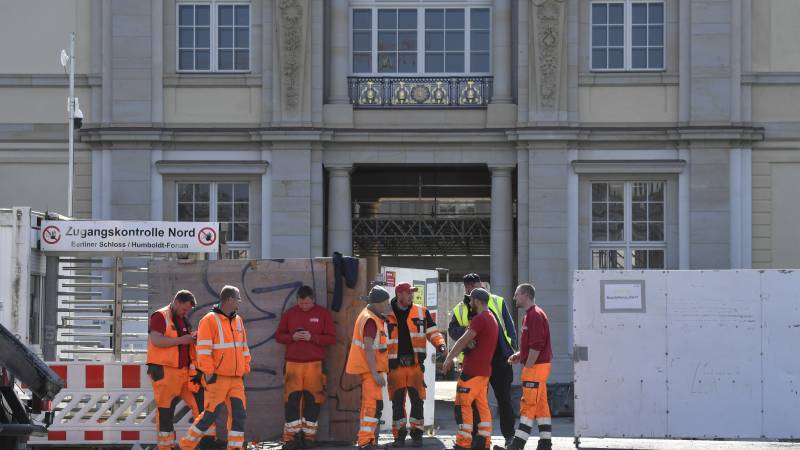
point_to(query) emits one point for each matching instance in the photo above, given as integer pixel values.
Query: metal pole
(71, 115)
(116, 343)
(50, 310)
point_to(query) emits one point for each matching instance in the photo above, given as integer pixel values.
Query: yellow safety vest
(461, 311)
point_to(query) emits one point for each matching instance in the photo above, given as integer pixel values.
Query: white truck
(22, 275)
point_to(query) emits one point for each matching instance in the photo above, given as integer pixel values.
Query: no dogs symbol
(51, 234)
(207, 236)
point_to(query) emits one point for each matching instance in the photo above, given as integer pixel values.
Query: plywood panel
(781, 367)
(344, 391)
(615, 393)
(268, 288)
(714, 345)
(731, 369)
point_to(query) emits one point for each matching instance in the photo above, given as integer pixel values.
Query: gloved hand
(194, 382)
(441, 352)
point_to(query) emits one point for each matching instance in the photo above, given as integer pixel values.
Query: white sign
(127, 236)
(623, 295)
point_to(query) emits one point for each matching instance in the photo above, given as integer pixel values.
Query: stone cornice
(217, 167)
(730, 135)
(233, 134)
(686, 135)
(629, 166)
(47, 80)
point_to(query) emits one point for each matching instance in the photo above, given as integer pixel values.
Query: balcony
(420, 92)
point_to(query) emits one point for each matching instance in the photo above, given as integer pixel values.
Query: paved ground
(562, 435)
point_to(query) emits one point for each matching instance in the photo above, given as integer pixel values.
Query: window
(213, 37)
(397, 40)
(627, 35)
(421, 40)
(627, 225)
(226, 203)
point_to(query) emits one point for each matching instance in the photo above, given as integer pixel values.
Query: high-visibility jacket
(168, 356)
(222, 345)
(420, 333)
(357, 358)
(461, 313)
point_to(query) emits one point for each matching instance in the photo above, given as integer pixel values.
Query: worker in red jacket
(305, 329)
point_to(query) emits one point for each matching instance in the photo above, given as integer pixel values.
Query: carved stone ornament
(547, 37)
(292, 46)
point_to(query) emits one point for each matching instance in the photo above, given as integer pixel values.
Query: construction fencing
(104, 404)
(687, 354)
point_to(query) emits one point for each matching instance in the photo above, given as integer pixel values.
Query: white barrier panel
(687, 354)
(110, 403)
(426, 282)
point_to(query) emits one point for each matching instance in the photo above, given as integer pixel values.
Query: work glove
(441, 352)
(194, 382)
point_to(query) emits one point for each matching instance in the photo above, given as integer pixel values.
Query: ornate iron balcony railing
(403, 92)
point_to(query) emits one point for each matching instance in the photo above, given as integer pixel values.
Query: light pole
(69, 59)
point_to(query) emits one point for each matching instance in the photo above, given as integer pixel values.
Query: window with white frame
(627, 35)
(213, 37)
(628, 225)
(421, 40)
(225, 202)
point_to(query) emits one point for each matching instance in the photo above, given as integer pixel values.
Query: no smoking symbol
(207, 236)
(51, 234)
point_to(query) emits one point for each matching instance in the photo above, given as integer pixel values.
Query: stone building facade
(638, 134)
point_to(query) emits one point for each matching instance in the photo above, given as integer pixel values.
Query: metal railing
(421, 235)
(403, 92)
(99, 301)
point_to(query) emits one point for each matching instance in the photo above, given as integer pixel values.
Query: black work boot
(400, 439)
(512, 444)
(544, 444)
(416, 437)
(294, 444)
(478, 443)
(372, 446)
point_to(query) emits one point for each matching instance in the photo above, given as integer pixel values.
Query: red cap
(404, 287)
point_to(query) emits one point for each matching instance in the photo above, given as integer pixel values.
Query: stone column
(337, 110)
(501, 51)
(339, 67)
(340, 223)
(502, 232)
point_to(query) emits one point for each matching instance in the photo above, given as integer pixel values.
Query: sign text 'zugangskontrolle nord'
(127, 236)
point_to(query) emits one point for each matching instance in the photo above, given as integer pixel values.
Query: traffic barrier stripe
(105, 404)
(102, 376)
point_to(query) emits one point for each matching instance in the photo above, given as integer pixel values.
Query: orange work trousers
(371, 409)
(220, 390)
(169, 385)
(471, 391)
(533, 404)
(303, 394)
(407, 380)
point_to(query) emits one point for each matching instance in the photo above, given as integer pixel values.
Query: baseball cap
(405, 287)
(480, 294)
(377, 295)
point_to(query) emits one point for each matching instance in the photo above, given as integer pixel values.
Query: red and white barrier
(106, 403)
